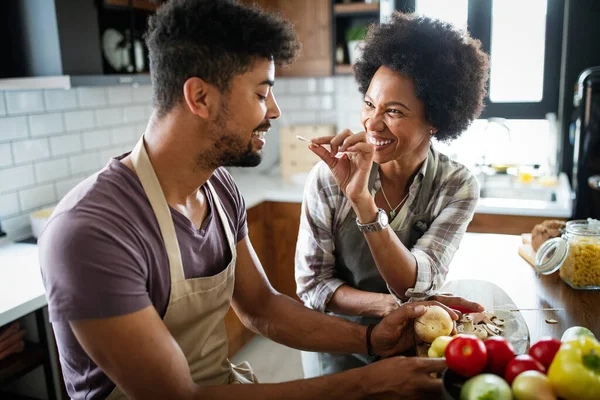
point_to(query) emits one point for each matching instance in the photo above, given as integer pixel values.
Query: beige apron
(196, 311)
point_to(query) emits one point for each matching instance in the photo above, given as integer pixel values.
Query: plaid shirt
(454, 195)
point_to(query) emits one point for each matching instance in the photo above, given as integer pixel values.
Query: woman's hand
(351, 171)
(395, 333)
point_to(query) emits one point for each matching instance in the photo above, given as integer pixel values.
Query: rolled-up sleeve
(315, 261)
(436, 248)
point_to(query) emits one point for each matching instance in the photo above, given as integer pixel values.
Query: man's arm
(284, 320)
(139, 354)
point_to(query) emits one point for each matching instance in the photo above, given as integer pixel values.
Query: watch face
(384, 219)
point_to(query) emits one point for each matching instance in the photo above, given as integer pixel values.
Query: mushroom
(467, 326)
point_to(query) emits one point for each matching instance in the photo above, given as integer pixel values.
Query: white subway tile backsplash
(302, 117)
(2, 105)
(96, 139)
(306, 85)
(328, 117)
(85, 163)
(16, 178)
(9, 204)
(13, 128)
(118, 95)
(5, 155)
(65, 144)
(123, 134)
(318, 102)
(290, 103)
(134, 114)
(109, 117)
(42, 195)
(52, 170)
(60, 99)
(142, 93)
(64, 186)
(91, 97)
(106, 155)
(30, 150)
(79, 120)
(46, 124)
(327, 85)
(30, 101)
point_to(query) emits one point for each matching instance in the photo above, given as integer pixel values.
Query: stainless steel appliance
(586, 153)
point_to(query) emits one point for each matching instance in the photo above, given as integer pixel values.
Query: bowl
(38, 220)
(452, 383)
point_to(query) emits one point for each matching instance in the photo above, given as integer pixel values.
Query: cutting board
(525, 249)
(493, 298)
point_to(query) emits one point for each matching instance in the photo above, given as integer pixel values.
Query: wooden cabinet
(312, 22)
(273, 230)
(282, 224)
(505, 224)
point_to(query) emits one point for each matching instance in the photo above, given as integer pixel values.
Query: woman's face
(394, 118)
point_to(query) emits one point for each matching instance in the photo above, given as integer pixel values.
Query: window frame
(479, 24)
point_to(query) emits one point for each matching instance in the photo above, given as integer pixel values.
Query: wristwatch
(379, 224)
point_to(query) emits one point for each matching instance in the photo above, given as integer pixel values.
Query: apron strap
(156, 197)
(224, 219)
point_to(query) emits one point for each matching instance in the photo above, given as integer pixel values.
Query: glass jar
(576, 254)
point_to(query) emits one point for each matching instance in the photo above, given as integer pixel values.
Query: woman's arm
(323, 207)
(420, 271)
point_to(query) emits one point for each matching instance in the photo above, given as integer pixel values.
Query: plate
(493, 298)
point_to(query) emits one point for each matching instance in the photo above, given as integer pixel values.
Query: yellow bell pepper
(575, 370)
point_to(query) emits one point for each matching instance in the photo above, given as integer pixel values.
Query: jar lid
(551, 255)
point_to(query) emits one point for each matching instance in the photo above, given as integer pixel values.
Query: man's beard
(229, 149)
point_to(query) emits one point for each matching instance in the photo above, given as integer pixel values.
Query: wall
(52, 139)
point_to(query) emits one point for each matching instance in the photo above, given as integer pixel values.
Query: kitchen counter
(259, 187)
(21, 287)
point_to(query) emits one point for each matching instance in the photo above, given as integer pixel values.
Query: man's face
(244, 117)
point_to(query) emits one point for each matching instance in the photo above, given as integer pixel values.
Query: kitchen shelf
(137, 4)
(15, 366)
(12, 396)
(343, 69)
(356, 9)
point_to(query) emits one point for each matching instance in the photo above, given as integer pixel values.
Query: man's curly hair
(447, 66)
(214, 40)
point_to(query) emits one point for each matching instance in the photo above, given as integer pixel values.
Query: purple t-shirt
(102, 255)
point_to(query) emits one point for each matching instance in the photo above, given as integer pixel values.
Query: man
(142, 260)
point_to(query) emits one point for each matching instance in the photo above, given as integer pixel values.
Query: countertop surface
(259, 187)
(21, 287)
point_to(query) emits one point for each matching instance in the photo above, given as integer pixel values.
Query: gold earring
(431, 132)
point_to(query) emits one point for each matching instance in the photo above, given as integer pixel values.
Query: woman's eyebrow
(390, 103)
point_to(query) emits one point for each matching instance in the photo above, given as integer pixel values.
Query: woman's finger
(461, 304)
(322, 140)
(364, 148)
(338, 140)
(352, 140)
(323, 154)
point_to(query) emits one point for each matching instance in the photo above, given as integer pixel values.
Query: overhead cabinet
(90, 41)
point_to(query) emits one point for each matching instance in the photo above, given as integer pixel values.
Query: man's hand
(395, 333)
(405, 378)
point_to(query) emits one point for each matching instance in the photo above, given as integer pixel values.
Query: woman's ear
(432, 131)
(199, 96)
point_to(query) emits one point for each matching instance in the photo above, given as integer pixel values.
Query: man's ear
(199, 97)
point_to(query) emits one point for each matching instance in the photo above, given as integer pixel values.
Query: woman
(381, 222)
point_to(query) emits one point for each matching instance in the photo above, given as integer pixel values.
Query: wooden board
(495, 299)
(525, 249)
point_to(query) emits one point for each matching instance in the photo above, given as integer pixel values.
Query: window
(523, 39)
